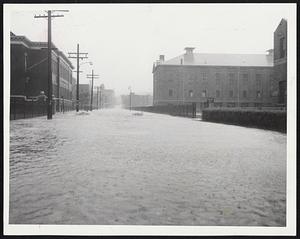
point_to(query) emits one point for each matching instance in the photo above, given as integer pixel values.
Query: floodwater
(113, 167)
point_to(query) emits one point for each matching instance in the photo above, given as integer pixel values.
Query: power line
(92, 76)
(49, 16)
(78, 56)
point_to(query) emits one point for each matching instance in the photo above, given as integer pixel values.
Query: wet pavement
(113, 167)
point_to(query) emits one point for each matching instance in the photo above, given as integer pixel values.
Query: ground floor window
(170, 92)
(258, 94)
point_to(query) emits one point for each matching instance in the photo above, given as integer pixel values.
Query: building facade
(104, 98)
(225, 79)
(136, 100)
(29, 69)
(84, 96)
(280, 61)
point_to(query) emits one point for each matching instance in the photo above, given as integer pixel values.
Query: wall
(183, 84)
(280, 60)
(32, 81)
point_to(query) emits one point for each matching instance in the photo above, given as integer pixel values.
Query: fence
(22, 107)
(187, 110)
(266, 119)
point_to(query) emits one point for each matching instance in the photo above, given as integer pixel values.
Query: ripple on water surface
(111, 167)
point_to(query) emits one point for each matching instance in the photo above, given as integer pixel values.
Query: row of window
(63, 71)
(218, 93)
(231, 77)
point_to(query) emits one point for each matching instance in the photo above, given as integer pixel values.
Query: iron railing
(22, 107)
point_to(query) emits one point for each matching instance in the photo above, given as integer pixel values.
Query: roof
(37, 45)
(211, 59)
(282, 25)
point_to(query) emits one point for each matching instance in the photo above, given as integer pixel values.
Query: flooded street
(112, 167)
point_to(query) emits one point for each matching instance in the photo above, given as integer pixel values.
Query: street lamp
(86, 62)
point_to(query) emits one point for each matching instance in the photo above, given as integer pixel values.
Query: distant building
(136, 100)
(84, 96)
(280, 61)
(107, 98)
(224, 79)
(29, 69)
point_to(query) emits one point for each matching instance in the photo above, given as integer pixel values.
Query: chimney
(270, 52)
(270, 55)
(162, 58)
(189, 55)
(189, 50)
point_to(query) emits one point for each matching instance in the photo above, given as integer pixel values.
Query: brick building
(29, 69)
(280, 61)
(225, 79)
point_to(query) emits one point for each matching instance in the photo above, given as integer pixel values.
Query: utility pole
(100, 98)
(130, 97)
(77, 55)
(49, 98)
(238, 86)
(92, 76)
(97, 97)
(58, 82)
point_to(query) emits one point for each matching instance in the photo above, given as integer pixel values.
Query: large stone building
(224, 79)
(280, 61)
(29, 69)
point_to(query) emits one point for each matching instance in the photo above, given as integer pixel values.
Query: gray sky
(123, 41)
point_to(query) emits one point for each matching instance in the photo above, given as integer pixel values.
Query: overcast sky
(123, 41)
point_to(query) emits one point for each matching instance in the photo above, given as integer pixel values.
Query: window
(281, 47)
(217, 93)
(204, 93)
(191, 93)
(258, 79)
(204, 76)
(218, 78)
(245, 94)
(258, 94)
(245, 77)
(231, 78)
(170, 92)
(231, 93)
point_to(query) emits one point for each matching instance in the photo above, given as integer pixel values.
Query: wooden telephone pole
(97, 97)
(77, 55)
(49, 96)
(92, 76)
